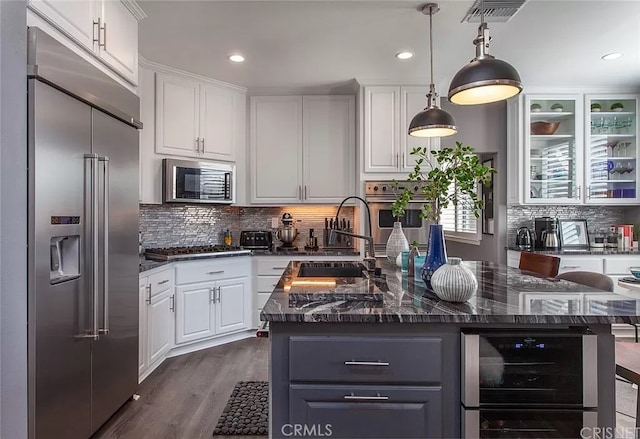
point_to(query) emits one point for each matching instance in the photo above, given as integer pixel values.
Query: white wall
(484, 127)
(13, 220)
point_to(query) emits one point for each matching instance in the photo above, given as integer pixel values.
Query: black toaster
(256, 239)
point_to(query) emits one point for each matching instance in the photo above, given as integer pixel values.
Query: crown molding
(161, 68)
(348, 88)
(135, 9)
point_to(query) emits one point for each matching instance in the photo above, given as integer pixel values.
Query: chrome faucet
(370, 258)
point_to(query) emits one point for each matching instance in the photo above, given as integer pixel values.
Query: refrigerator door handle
(91, 233)
(104, 162)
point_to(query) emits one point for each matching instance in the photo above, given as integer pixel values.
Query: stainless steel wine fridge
(528, 385)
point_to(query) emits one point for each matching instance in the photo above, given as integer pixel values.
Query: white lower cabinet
(195, 319)
(156, 326)
(160, 322)
(212, 298)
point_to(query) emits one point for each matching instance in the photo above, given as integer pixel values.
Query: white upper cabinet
(118, 40)
(105, 29)
(73, 18)
(328, 131)
(197, 119)
(302, 149)
(573, 149)
(276, 149)
(177, 110)
(553, 150)
(388, 111)
(611, 149)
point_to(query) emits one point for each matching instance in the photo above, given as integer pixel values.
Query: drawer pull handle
(570, 266)
(279, 268)
(366, 363)
(163, 281)
(353, 397)
(215, 272)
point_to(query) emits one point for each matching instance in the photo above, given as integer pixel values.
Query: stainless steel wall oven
(521, 385)
(380, 195)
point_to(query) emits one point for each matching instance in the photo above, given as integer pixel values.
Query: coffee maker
(546, 232)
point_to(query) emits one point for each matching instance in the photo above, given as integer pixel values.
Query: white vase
(454, 282)
(397, 242)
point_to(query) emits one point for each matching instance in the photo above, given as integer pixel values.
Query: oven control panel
(387, 189)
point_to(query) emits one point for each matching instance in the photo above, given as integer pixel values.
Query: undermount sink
(331, 269)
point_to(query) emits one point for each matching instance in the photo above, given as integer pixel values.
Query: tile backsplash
(598, 217)
(166, 225)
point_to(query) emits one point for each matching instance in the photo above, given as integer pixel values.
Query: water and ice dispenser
(64, 258)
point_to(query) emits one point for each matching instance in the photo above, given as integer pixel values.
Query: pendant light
(432, 121)
(485, 79)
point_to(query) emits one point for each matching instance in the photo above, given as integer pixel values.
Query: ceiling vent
(495, 11)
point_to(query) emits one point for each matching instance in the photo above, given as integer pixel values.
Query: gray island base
(359, 357)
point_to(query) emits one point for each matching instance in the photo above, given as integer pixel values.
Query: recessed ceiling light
(236, 58)
(612, 56)
(404, 55)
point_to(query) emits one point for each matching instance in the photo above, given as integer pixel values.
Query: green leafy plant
(399, 205)
(437, 171)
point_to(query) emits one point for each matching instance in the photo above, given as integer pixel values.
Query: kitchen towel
(247, 410)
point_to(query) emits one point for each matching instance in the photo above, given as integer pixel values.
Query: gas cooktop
(198, 251)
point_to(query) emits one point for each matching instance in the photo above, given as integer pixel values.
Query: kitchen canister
(454, 282)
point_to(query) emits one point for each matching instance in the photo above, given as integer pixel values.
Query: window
(459, 222)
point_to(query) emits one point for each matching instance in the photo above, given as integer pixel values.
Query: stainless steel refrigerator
(83, 242)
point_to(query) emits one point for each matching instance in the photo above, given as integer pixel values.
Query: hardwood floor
(184, 397)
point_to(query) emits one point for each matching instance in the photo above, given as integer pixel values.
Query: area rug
(247, 410)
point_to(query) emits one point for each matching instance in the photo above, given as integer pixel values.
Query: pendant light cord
(431, 40)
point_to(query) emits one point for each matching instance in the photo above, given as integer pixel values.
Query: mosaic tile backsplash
(598, 217)
(167, 225)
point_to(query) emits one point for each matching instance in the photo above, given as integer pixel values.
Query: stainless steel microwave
(185, 181)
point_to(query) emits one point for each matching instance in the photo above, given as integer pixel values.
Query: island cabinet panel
(344, 411)
(365, 359)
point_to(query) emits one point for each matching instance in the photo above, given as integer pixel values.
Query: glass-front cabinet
(611, 149)
(553, 153)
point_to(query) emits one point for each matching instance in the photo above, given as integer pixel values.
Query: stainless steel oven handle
(104, 162)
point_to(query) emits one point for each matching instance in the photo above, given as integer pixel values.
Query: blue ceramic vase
(436, 253)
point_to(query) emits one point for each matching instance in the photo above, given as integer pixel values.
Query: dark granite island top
(385, 358)
(505, 295)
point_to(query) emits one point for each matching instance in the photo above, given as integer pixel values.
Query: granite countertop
(591, 251)
(306, 253)
(505, 295)
(149, 264)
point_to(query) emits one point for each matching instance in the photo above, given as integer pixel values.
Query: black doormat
(247, 410)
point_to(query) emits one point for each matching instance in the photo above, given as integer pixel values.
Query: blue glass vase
(436, 253)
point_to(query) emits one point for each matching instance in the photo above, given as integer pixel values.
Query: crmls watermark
(609, 432)
(304, 430)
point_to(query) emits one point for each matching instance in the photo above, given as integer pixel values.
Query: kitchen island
(384, 357)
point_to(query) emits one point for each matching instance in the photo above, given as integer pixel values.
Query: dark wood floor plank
(185, 396)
